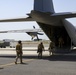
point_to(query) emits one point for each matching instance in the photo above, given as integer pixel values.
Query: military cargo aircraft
(53, 24)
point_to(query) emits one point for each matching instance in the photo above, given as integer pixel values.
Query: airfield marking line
(10, 64)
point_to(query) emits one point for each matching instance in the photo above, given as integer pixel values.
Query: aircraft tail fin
(44, 6)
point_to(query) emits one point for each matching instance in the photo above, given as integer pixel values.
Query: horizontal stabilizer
(17, 20)
(64, 15)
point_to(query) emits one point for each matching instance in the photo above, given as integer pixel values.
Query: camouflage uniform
(61, 42)
(51, 48)
(19, 52)
(40, 50)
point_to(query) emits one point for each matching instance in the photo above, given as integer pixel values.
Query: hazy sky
(19, 8)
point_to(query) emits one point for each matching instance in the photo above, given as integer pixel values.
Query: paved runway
(26, 51)
(49, 65)
(29, 51)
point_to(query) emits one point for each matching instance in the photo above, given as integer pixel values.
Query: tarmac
(26, 51)
(57, 64)
(31, 51)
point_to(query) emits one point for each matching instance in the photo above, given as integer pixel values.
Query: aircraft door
(62, 39)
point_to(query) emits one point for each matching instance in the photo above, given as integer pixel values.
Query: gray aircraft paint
(39, 14)
(43, 6)
(71, 31)
(47, 6)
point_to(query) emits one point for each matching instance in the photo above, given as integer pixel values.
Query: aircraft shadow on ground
(62, 58)
(50, 58)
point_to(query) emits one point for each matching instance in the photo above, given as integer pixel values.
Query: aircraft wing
(22, 31)
(17, 19)
(61, 15)
(64, 15)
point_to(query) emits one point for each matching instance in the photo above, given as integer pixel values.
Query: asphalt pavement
(58, 64)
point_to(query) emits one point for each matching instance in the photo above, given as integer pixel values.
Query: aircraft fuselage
(45, 18)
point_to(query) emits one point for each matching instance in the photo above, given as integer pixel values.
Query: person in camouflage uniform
(19, 52)
(61, 42)
(51, 48)
(40, 50)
